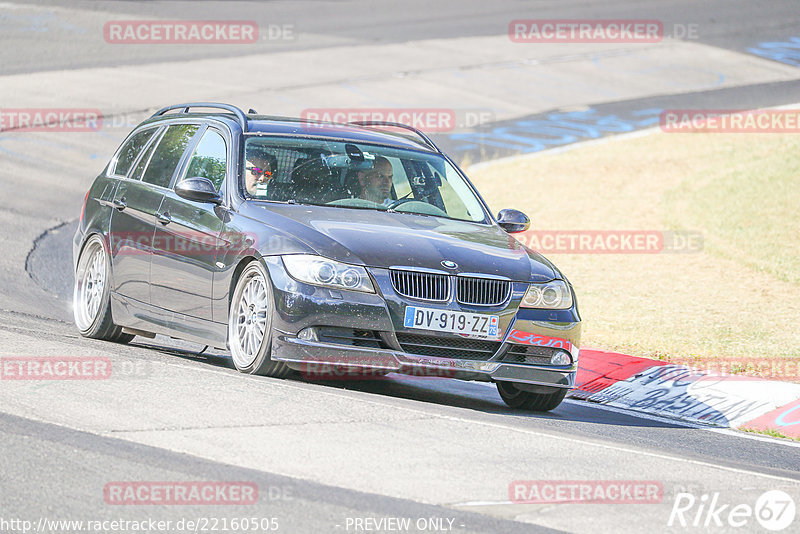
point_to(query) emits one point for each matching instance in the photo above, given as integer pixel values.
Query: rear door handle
(164, 218)
(120, 204)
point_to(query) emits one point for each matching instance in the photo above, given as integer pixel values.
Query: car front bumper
(328, 360)
(300, 307)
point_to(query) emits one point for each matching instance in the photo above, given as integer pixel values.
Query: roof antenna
(251, 111)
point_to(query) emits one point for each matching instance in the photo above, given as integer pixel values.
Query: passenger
(259, 170)
(376, 184)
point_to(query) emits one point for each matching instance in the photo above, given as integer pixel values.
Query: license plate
(456, 322)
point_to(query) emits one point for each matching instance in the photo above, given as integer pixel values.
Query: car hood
(379, 239)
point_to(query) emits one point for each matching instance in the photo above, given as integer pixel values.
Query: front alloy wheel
(250, 324)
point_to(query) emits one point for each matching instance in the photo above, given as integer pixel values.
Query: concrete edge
(688, 394)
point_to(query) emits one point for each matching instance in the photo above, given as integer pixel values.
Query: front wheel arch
(237, 272)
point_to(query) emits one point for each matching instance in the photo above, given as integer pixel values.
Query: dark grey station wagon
(329, 249)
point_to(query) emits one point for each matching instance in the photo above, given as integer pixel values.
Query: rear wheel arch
(105, 237)
(99, 323)
(88, 236)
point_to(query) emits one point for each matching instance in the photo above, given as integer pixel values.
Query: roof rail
(240, 116)
(421, 135)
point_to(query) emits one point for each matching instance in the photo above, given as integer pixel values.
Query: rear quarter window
(142, 163)
(129, 151)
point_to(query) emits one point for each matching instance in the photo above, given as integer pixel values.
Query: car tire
(91, 295)
(527, 400)
(250, 324)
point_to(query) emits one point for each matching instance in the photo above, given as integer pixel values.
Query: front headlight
(321, 271)
(553, 295)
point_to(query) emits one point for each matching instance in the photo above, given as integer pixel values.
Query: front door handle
(164, 218)
(120, 203)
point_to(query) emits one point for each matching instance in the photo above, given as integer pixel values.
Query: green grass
(769, 432)
(747, 204)
(738, 297)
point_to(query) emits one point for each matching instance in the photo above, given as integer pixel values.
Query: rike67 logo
(774, 510)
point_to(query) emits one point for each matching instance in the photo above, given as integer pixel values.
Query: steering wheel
(400, 201)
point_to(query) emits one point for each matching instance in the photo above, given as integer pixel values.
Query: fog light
(561, 358)
(306, 334)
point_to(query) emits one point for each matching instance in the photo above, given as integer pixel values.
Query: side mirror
(198, 189)
(513, 221)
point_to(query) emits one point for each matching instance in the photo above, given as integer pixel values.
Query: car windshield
(356, 175)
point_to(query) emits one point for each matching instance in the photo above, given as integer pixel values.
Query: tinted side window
(142, 163)
(209, 159)
(168, 153)
(129, 151)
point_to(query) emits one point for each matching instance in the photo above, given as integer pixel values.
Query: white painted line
(637, 414)
(488, 503)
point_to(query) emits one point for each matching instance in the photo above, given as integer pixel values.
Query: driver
(376, 184)
(259, 169)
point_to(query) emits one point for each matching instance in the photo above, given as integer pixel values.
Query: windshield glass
(356, 175)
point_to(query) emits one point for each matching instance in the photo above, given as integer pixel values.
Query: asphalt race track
(340, 456)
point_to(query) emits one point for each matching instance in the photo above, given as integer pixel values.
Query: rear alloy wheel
(527, 400)
(91, 296)
(250, 324)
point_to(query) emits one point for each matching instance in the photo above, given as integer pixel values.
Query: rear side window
(209, 159)
(168, 154)
(142, 163)
(129, 151)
